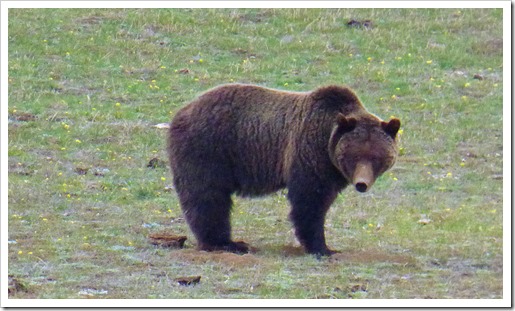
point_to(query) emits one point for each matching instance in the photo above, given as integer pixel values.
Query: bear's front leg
(310, 202)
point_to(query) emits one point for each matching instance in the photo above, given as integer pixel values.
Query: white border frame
(507, 187)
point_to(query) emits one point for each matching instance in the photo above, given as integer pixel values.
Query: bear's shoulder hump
(335, 94)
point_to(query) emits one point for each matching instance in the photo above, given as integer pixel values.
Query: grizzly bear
(250, 141)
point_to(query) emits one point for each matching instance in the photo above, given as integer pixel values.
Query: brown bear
(251, 140)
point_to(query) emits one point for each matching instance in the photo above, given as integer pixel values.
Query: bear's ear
(345, 124)
(392, 127)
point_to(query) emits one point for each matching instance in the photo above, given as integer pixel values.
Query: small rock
(424, 220)
(92, 292)
(151, 225)
(162, 126)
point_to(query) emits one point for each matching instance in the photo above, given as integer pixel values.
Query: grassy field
(86, 88)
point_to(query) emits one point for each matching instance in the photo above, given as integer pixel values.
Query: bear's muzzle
(363, 176)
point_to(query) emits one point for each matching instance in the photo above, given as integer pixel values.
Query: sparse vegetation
(88, 185)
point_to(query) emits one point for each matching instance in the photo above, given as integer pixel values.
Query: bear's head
(363, 148)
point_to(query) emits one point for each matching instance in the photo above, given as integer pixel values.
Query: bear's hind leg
(208, 215)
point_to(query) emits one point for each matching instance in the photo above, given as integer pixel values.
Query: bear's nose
(361, 187)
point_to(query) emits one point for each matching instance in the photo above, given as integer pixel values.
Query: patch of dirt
(90, 20)
(491, 47)
(353, 290)
(97, 19)
(23, 116)
(361, 287)
(292, 251)
(227, 259)
(188, 280)
(371, 256)
(142, 74)
(156, 162)
(16, 285)
(165, 239)
(100, 171)
(468, 266)
(239, 51)
(352, 256)
(81, 170)
(360, 24)
(20, 169)
(245, 53)
(252, 17)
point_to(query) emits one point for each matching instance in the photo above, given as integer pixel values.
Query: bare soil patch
(227, 259)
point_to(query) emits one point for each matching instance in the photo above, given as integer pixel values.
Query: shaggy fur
(252, 141)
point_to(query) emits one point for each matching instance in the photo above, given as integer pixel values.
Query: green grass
(87, 86)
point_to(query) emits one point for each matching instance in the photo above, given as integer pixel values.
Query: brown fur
(251, 140)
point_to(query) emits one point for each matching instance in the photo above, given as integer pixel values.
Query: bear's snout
(363, 176)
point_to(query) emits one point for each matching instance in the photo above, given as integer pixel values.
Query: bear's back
(264, 123)
(255, 132)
